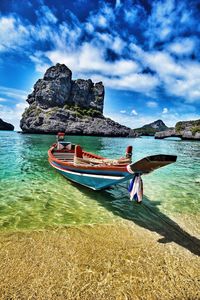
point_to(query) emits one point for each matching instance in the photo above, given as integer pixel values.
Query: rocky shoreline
(186, 130)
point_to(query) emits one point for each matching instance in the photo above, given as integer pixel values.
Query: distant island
(6, 126)
(59, 103)
(186, 130)
(151, 129)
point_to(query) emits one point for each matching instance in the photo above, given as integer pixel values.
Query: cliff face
(57, 89)
(5, 126)
(152, 128)
(59, 103)
(186, 130)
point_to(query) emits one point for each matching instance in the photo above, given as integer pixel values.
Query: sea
(33, 196)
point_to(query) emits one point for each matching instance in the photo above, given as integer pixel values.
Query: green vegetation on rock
(82, 112)
(193, 126)
(195, 129)
(145, 131)
(32, 110)
(179, 126)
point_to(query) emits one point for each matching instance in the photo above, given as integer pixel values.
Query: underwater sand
(121, 261)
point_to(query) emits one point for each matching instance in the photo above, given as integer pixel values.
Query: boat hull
(93, 181)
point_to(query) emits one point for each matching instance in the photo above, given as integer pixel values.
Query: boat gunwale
(106, 176)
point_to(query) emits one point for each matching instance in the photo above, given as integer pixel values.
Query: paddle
(151, 163)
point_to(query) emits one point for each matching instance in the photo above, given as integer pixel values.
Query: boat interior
(68, 152)
(64, 151)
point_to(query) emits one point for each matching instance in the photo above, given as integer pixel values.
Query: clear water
(34, 196)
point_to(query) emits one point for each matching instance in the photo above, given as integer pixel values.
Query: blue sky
(147, 53)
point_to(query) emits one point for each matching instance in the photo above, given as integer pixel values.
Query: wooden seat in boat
(64, 156)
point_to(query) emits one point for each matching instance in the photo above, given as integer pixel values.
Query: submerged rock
(5, 125)
(59, 103)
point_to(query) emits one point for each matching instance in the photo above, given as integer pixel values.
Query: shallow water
(34, 196)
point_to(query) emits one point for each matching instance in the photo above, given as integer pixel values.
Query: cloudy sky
(147, 53)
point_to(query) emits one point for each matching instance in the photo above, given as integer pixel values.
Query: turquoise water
(34, 196)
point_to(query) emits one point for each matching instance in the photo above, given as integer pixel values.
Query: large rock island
(186, 130)
(6, 126)
(59, 103)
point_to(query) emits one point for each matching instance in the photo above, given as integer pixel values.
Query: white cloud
(122, 111)
(130, 15)
(188, 86)
(103, 18)
(17, 34)
(118, 3)
(160, 22)
(109, 41)
(46, 14)
(179, 78)
(13, 33)
(152, 104)
(182, 46)
(134, 112)
(135, 82)
(101, 21)
(137, 121)
(89, 59)
(12, 114)
(38, 60)
(125, 73)
(140, 120)
(80, 60)
(135, 14)
(163, 64)
(89, 27)
(165, 110)
(172, 118)
(12, 93)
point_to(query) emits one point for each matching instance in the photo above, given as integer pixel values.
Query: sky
(146, 53)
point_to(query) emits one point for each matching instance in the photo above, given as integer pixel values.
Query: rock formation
(152, 128)
(59, 103)
(5, 126)
(186, 130)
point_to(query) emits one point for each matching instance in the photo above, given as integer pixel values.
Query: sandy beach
(120, 261)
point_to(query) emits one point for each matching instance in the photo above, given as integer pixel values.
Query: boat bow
(151, 163)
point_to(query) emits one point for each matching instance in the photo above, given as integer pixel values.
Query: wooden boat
(97, 172)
